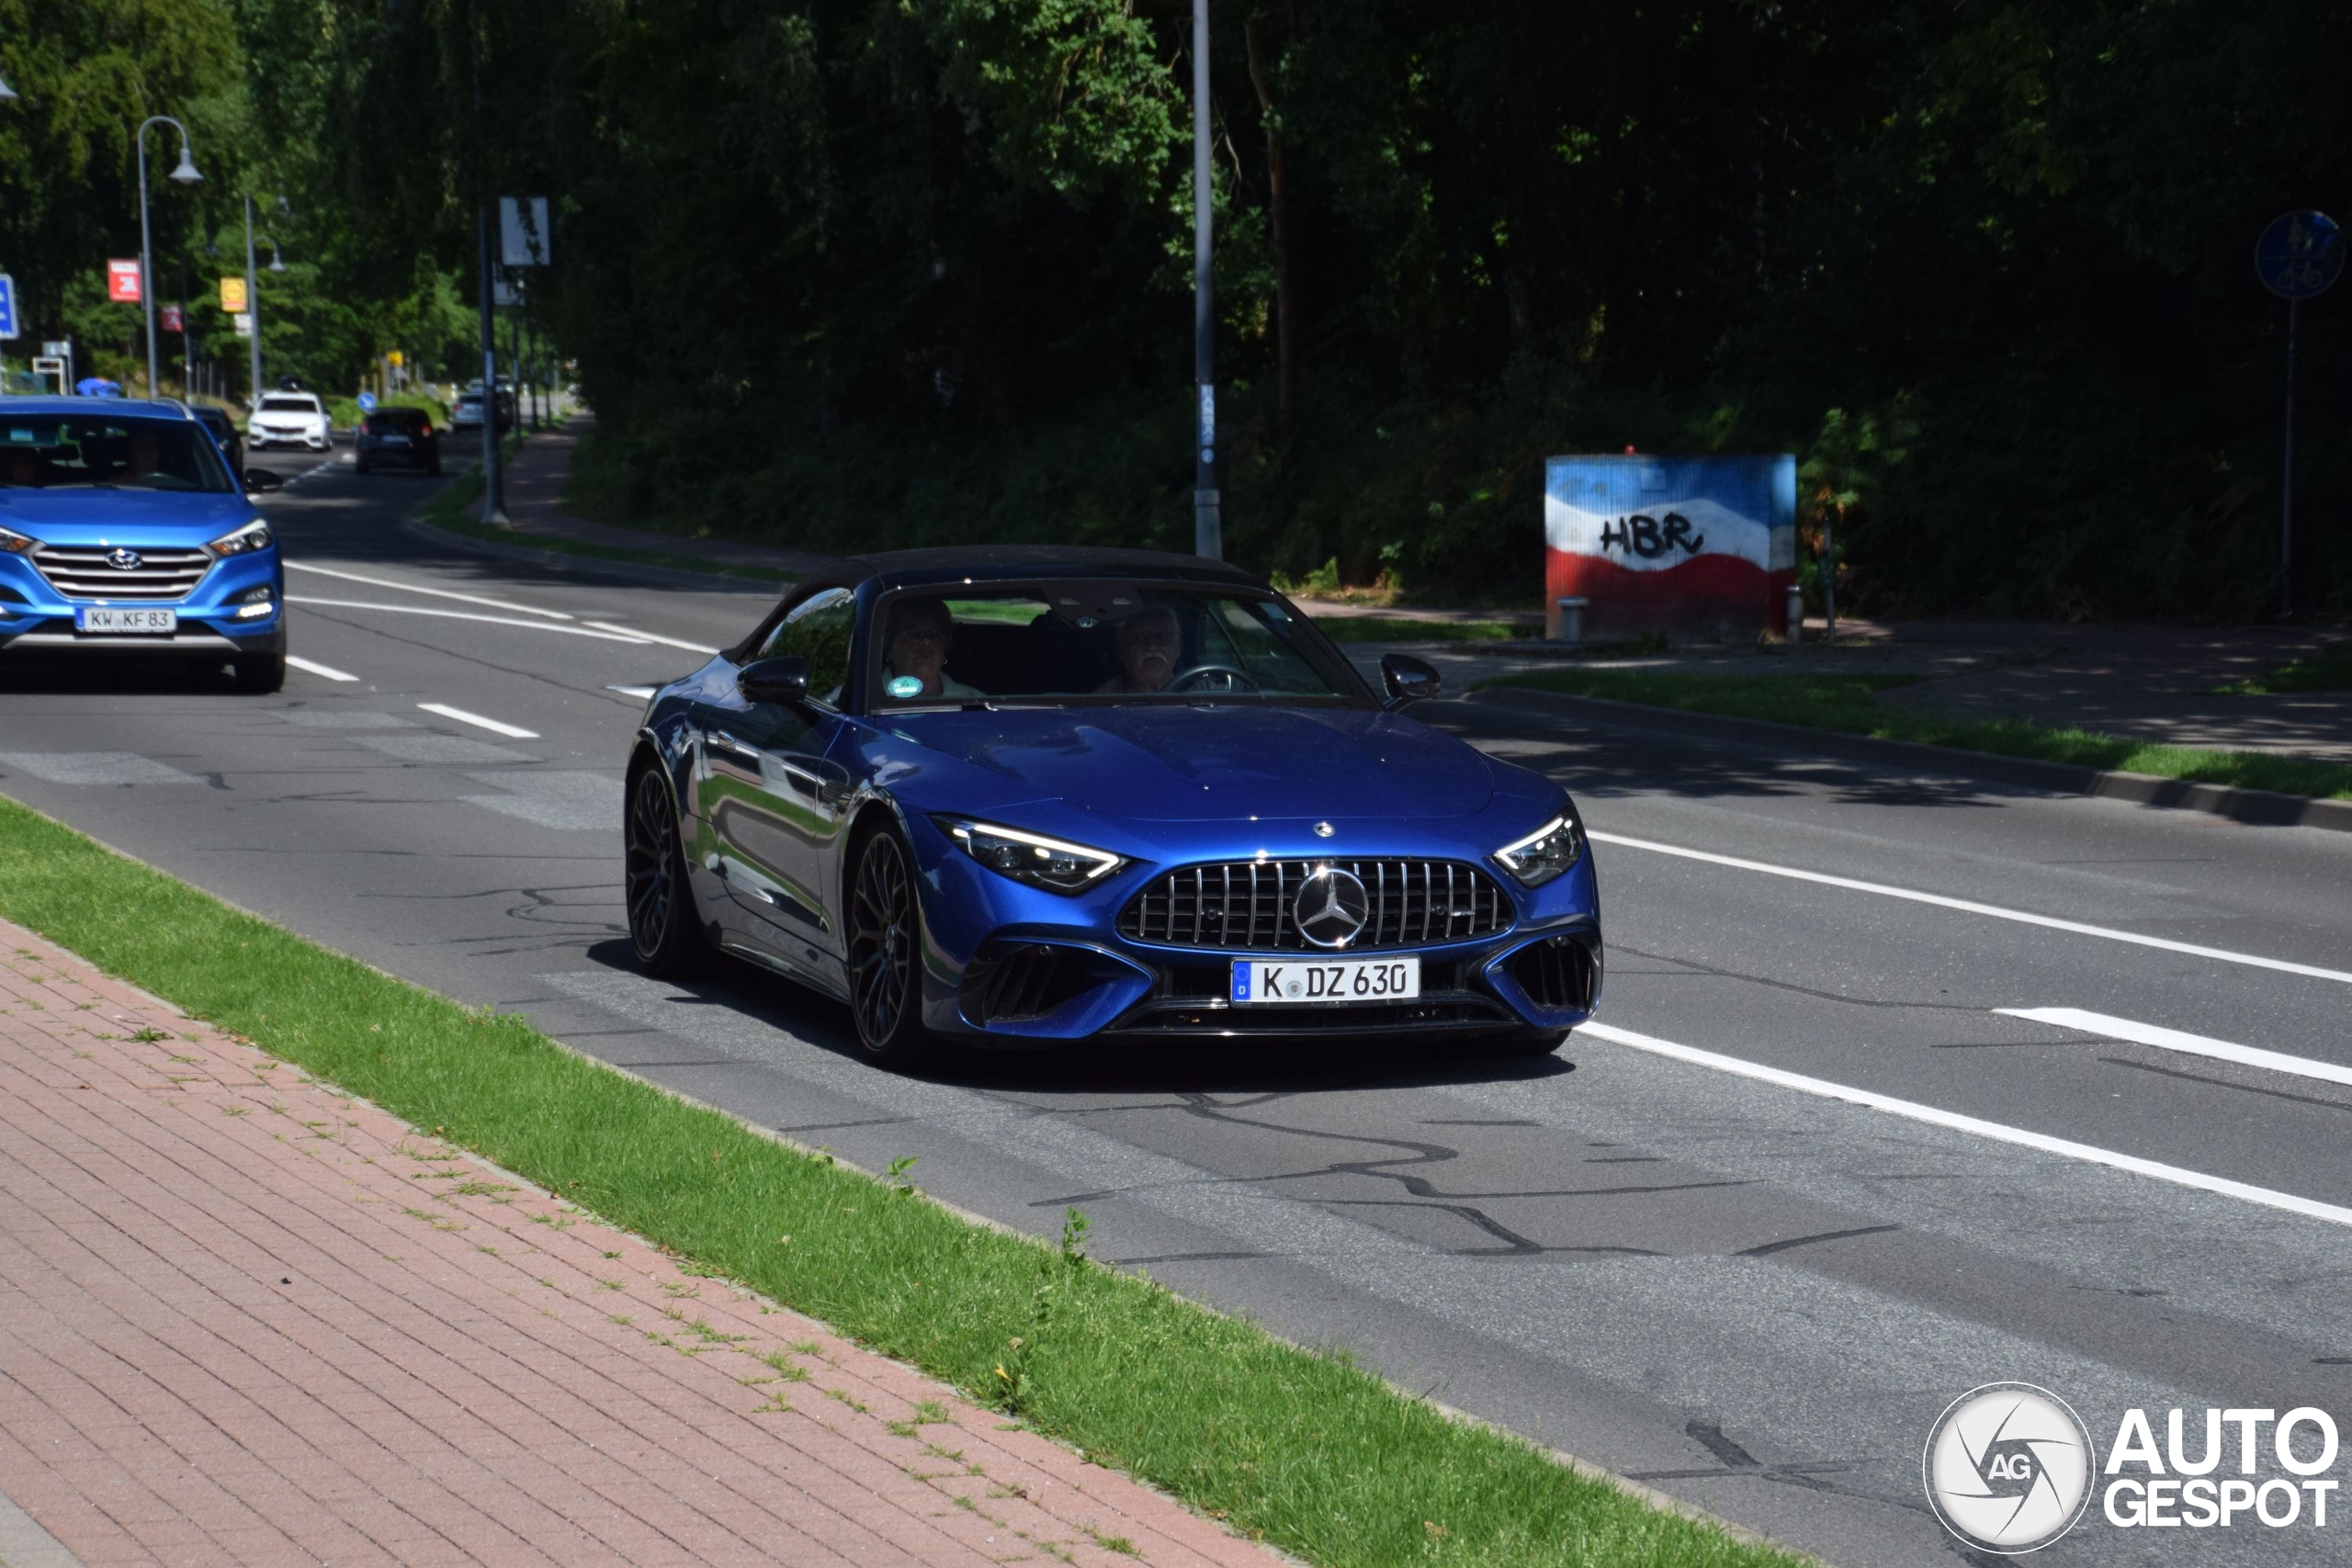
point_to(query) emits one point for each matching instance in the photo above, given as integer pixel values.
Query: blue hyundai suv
(124, 533)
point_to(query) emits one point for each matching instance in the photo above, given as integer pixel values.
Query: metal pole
(2287, 482)
(1829, 582)
(146, 266)
(493, 489)
(253, 309)
(1208, 527)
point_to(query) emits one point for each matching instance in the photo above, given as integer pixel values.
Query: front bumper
(309, 440)
(38, 620)
(1015, 967)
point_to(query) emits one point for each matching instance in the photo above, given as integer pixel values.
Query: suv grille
(83, 571)
(1247, 904)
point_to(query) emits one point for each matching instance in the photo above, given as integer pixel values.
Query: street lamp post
(1208, 528)
(253, 295)
(185, 175)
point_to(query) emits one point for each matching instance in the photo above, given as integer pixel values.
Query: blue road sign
(2299, 254)
(367, 402)
(7, 305)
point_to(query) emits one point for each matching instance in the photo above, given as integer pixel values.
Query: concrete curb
(2259, 808)
(602, 566)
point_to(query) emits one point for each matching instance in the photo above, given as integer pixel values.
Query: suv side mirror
(1407, 679)
(259, 481)
(784, 679)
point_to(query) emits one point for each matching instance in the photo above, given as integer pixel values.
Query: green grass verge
(1391, 629)
(1310, 1451)
(2329, 670)
(446, 510)
(1850, 705)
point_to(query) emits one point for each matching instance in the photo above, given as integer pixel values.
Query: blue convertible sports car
(124, 532)
(1019, 797)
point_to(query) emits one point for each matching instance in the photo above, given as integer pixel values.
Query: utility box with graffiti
(1684, 547)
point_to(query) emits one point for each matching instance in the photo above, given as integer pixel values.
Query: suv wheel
(258, 674)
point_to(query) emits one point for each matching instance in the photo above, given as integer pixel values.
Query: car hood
(1152, 763)
(123, 516)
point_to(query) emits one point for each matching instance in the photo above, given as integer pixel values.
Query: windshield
(49, 452)
(1063, 644)
(288, 405)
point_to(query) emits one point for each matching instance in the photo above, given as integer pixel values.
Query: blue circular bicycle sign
(2299, 254)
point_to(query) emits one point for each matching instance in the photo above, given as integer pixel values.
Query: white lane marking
(1994, 910)
(2175, 1040)
(435, 592)
(325, 672)
(1997, 1131)
(461, 615)
(495, 726)
(644, 694)
(652, 637)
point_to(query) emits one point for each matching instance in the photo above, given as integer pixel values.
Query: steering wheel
(1235, 680)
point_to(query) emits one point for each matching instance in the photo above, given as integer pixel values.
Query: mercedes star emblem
(126, 560)
(1331, 907)
(1324, 829)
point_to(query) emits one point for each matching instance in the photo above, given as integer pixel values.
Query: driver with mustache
(1148, 643)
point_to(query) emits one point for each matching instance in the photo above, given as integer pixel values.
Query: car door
(773, 803)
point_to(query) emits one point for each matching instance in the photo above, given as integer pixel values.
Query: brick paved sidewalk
(246, 1319)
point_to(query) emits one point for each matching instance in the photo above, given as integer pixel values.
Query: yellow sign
(395, 357)
(232, 295)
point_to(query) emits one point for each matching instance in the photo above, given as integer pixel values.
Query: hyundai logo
(1331, 907)
(125, 560)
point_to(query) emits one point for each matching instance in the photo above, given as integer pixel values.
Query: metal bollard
(1796, 613)
(1572, 618)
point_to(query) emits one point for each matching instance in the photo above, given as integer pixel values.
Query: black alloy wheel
(663, 929)
(258, 674)
(884, 955)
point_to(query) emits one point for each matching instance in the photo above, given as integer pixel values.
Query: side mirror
(259, 481)
(784, 679)
(1407, 679)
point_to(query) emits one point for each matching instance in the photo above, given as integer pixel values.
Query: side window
(819, 630)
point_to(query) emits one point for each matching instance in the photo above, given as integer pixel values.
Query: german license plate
(134, 623)
(1258, 981)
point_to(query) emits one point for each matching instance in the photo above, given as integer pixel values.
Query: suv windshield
(1066, 644)
(80, 452)
(288, 405)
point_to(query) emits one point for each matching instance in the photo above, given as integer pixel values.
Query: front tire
(664, 931)
(886, 956)
(258, 674)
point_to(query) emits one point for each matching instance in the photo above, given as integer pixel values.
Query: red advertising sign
(172, 321)
(122, 281)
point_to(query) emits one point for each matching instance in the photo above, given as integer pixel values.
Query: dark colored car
(123, 535)
(1022, 796)
(399, 437)
(224, 431)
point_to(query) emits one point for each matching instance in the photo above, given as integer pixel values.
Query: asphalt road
(1673, 1250)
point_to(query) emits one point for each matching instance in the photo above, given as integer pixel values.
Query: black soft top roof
(983, 563)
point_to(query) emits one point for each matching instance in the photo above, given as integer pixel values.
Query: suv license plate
(136, 622)
(1258, 981)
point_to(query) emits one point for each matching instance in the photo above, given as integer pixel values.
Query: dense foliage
(841, 271)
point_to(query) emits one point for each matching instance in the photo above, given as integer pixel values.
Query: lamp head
(185, 173)
(8, 93)
(276, 262)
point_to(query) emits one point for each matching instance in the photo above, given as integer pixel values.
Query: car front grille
(83, 571)
(1240, 906)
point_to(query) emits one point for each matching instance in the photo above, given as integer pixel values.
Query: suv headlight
(1050, 863)
(13, 544)
(253, 535)
(1542, 854)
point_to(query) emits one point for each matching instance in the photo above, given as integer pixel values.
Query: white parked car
(289, 419)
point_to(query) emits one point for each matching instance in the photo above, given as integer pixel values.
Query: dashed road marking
(325, 672)
(434, 592)
(496, 727)
(466, 615)
(2175, 1040)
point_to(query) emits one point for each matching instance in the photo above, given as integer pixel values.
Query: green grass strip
(1850, 705)
(1307, 1449)
(1395, 629)
(446, 510)
(2328, 670)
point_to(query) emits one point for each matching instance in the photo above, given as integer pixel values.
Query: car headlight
(1542, 854)
(13, 544)
(253, 535)
(1040, 862)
